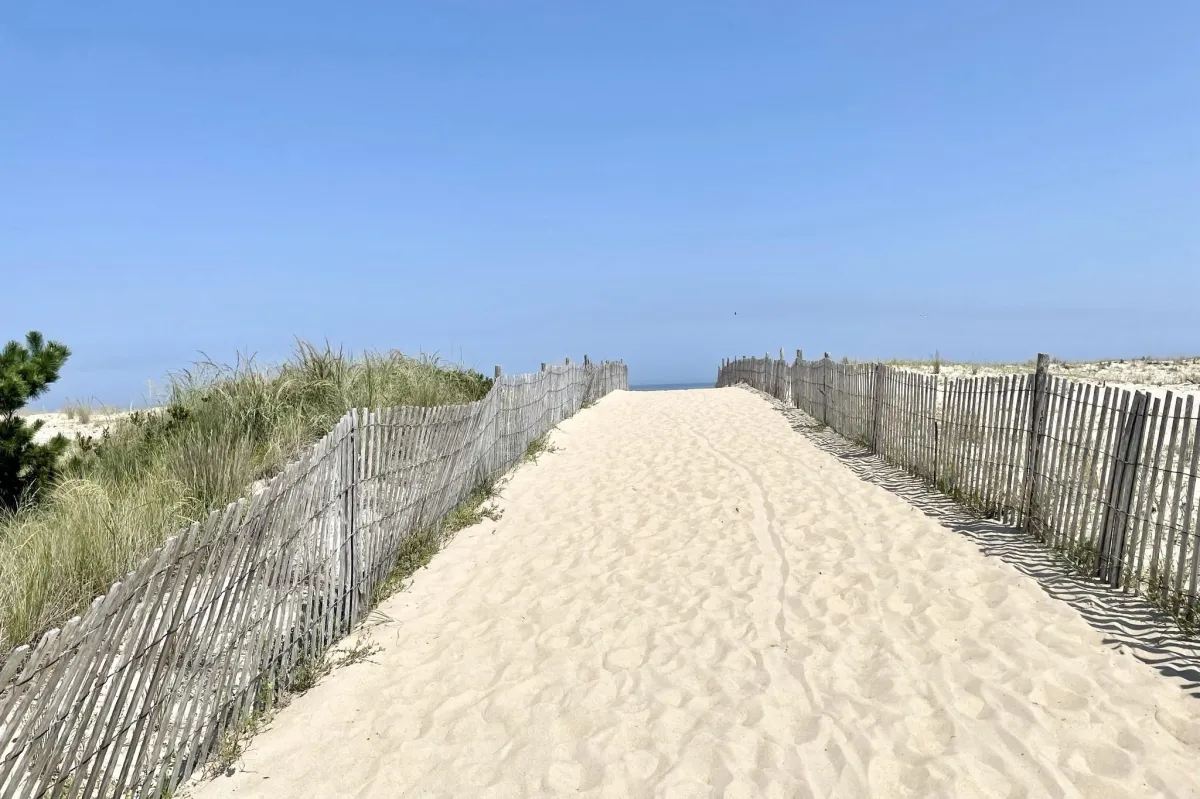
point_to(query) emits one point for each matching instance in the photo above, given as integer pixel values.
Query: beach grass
(220, 429)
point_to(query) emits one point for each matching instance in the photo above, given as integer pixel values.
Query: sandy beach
(690, 599)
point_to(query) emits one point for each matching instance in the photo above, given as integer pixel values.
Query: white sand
(691, 599)
(58, 422)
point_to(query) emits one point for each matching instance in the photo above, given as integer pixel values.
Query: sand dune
(1155, 375)
(59, 423)
(692, 600)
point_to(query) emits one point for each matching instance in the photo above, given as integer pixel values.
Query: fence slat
(1047, 485)
(1187, 533)
(1082, 472)
(1014, 435)
(1158, 559)
(1106, 447)
(1149, 476)
(956, 418)
(1125, 464)
(974, 465)
(987, 425)
(1065, 459)
(1187, 505)
(1176, 501)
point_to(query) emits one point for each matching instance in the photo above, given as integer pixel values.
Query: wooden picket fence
(129, 698)
(1105, 476)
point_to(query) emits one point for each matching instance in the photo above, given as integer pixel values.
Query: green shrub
(27, 469)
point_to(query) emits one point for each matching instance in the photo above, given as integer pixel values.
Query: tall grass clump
(220, 429)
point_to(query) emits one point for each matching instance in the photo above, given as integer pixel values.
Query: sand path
(690, 599)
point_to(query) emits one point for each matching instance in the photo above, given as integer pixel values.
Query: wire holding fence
(1105, 476)
(130, 697)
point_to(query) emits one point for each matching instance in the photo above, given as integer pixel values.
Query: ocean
(670, 386)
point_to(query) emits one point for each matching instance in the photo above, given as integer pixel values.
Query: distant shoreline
(669, 386)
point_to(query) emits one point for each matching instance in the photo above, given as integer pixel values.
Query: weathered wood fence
(1106, 476)
(127, 699)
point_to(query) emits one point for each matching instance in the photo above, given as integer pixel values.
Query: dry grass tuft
(537, 447)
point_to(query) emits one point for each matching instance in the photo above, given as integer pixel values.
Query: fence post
(1037, 431)
(498, 371)
(825, 390)
(797, 379)
(880, 388)
(1120, 493)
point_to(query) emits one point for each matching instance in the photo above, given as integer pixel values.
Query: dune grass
(220, 429)
(78, 411)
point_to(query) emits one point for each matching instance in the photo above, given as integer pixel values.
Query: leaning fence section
(1104, 475)
(128, 698)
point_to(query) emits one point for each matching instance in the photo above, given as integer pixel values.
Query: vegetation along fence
(127, 699)
(1106, 476)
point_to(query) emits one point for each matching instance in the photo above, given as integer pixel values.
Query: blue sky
(512, 182)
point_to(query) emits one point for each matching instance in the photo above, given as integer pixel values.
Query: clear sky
(663, 182)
